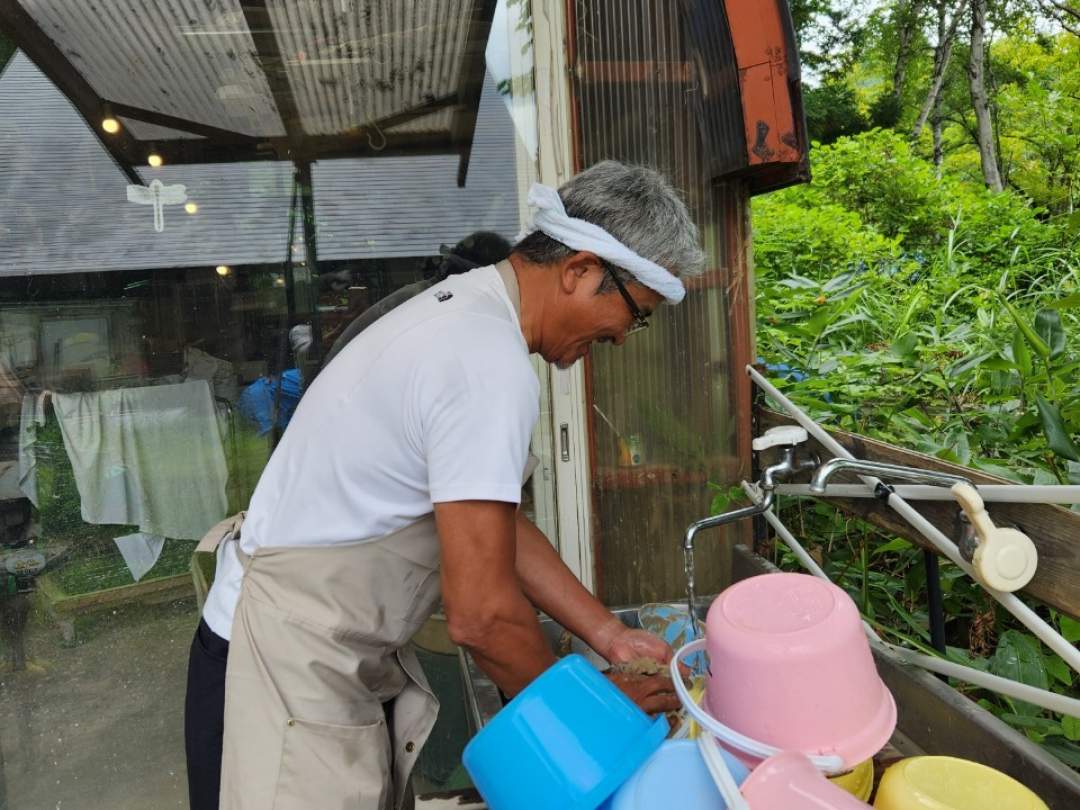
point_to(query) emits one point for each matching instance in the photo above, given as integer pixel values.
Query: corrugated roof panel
(193, 60)
(350, 64)
(408, 206)
(434, 122)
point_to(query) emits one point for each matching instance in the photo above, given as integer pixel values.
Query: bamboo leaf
(966, 364)
(1048, 325)
(1057, 435)
(1058, 669)
(1018, 657)
(1021, 354)
(1065, 750)
(1030, 335)
(904, 346)
(1071, 727)
(1070, 628)
(1067, 302)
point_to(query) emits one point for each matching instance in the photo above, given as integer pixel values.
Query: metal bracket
(882, 491)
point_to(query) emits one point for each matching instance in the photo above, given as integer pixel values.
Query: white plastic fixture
(780, 436)
(1005, 559)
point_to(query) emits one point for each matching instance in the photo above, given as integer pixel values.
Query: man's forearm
(553, 588)
(513, 651)
(486, 609)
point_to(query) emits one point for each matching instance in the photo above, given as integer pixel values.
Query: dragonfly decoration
(158, 195)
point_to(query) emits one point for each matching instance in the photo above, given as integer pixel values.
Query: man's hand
(628, 644)
(652, 693)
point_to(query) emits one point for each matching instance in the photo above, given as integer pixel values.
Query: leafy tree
(1039, 115)
(832, 111)
(830, 35)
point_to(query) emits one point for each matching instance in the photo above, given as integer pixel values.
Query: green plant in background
(936, 315)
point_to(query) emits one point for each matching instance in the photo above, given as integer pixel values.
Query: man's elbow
(472, 630)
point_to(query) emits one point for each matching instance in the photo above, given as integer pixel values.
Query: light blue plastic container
(675, 776)
(567, 742)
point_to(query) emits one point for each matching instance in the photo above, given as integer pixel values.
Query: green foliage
(885, 111)
(934, 314)
(877, 176)
(792, 239)
(1038, 103)
(832, 111)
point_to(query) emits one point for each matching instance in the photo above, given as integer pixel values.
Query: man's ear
(576, 267)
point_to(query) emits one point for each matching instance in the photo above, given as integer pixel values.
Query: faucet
(788, 437)
(819, 483)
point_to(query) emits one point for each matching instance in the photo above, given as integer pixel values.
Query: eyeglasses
(639, 323)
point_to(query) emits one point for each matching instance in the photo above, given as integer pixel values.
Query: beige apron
(319, 645)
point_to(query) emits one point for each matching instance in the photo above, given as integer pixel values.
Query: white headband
(577, 234)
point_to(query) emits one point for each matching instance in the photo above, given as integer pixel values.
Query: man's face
(582, 317)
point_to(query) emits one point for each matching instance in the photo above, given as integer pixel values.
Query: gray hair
(636, 205)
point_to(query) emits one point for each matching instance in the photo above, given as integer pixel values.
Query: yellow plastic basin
(946, 783)
(859, 781)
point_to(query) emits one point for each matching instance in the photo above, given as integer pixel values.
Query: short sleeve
(478, 402)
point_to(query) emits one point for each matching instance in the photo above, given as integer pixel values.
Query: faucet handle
(780, 436)
(1005, 559)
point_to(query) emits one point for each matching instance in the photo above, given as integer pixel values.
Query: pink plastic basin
(789, 781)
(791, 666)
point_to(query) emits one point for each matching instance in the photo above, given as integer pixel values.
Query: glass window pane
(197, 204)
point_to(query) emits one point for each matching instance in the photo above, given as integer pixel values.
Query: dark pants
(204, 716)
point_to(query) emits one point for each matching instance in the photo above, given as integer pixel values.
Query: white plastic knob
(781, 436)
(1005, 559)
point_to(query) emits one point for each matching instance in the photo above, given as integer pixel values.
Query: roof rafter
(268, 52)
(471, 82)
(183, 124)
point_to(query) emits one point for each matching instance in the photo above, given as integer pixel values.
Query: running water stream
(691, 595)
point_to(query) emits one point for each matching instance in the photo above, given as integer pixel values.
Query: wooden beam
(1054, 530)
(471, 82)
(173, 122)
(224, 146)
(186, 151)
(433, 105)
(268, 53)
(43, 52)
(733, 198)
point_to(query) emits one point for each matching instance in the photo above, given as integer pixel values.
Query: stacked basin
(792, 694)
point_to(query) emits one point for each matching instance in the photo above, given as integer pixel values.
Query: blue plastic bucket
(567, 742)
(675, 776)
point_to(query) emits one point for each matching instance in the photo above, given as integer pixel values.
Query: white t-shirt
(434, 402)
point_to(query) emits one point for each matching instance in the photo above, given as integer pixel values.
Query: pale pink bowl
(791, 667)
(789, 781)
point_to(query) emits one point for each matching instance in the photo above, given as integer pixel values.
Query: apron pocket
(333, 767)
